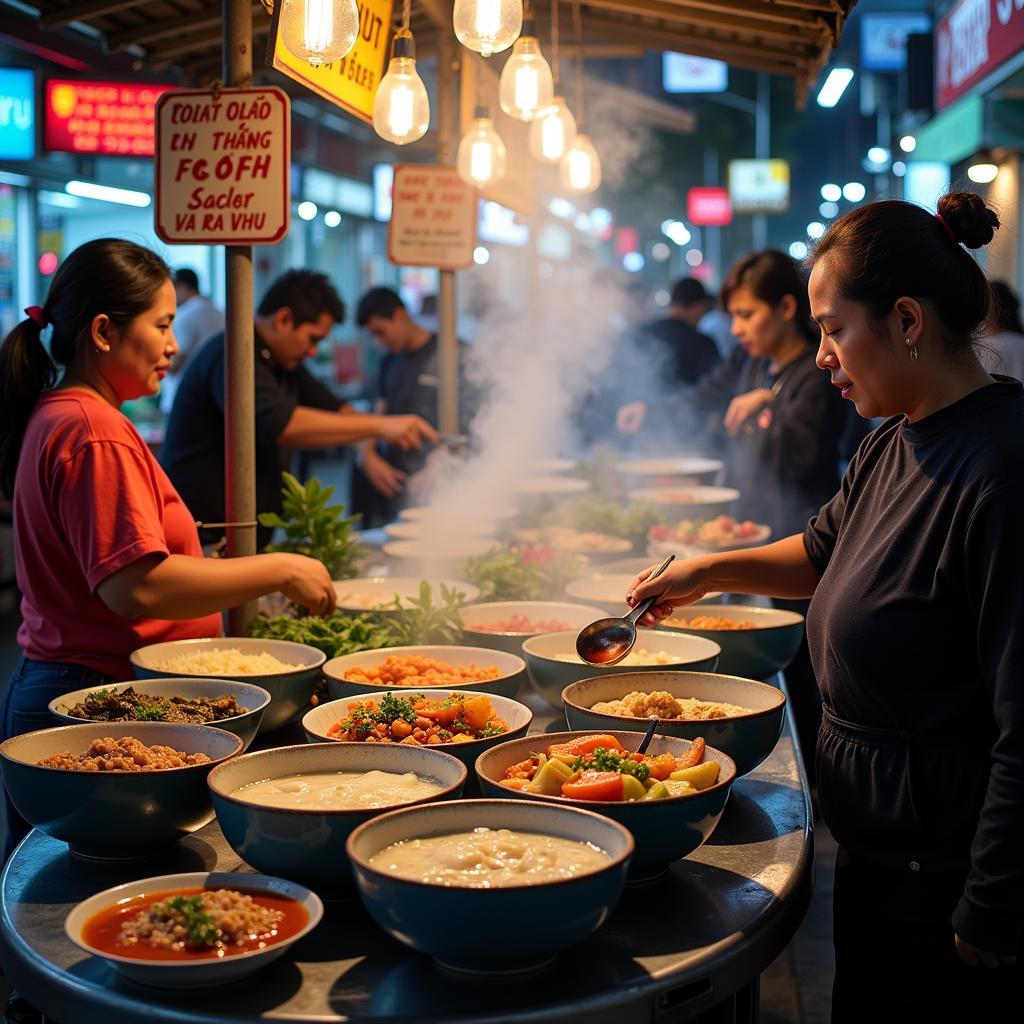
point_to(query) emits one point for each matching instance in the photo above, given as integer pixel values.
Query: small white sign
(682, 73)
(222, 163)
(759, 186)
(433, 218)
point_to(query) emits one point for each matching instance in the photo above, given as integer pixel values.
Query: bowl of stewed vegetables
(503, 865)
(670, 798)
(288, 811)
(741, 717)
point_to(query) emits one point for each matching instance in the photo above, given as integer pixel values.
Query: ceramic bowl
(757, 652)
(499, 929)
(664, 830)
(575, 616)
(607, 591)
(550, 675)
(424, 529)
(748, 739)
(661, 548)
(254, 699)
(689, 502)
(306, 845)
(516, 716)
(289, 691)
(511, 667)
(198, 973)
(493, 513)
(606, 550)
(666, 470)
(114, 815)
(533, 487)
(551, 467)
(376, 593)
(428, 555)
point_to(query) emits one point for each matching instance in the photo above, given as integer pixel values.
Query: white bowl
(550, 486)
(289, 691)
(195, 973)
(576, 615)
(694, 502)
(608, 592)
(512, 669)
(682, 466)
(551, 467)
(550, 675)
(611, 548)
(375, 593)
(688, 549)
(426, 529)
(492, 513)
(444, 555)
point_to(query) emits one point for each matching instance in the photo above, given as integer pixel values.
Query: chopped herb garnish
(492, 729)
(155, 713)
(604, 760)
(101, 695)
(201, 928)
(393, 709)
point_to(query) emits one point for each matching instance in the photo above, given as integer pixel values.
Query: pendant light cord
(406, 15)
(577, 18)
(554, 42)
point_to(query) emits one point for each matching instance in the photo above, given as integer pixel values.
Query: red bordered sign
(433, 218)
(222, 165)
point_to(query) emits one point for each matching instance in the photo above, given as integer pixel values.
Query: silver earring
(913, 351)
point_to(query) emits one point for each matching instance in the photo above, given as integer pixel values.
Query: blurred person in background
(694, 304)
(408, 384)
(107, 554)
(197, 320)
(685, 354)
(294, 410)
(1002, 349)
(915, 622)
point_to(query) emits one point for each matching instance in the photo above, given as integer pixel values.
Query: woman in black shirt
(915, 623)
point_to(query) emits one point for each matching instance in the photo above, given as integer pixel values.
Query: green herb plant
(335, 635)
(419, 621)
(315, 528)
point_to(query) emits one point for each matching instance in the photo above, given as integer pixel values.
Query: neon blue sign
(17, 114)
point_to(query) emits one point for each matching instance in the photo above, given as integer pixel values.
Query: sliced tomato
(595, 786)
(693, 756)
(584, 745)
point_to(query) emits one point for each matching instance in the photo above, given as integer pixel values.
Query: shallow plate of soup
(195, 929)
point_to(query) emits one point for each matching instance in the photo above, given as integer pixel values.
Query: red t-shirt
(89, 499)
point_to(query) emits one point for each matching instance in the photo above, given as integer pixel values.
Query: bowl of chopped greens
(237, 707)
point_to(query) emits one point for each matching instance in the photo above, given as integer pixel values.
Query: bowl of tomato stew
(671, 799)
(194, 929)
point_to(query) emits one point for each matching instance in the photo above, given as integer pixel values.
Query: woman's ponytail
(26, 371)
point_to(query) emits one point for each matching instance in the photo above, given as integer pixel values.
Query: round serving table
(671, 952)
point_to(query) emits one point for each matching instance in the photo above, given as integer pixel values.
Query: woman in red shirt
(107, 556)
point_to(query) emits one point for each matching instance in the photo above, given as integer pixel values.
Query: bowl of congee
(288, 811)
(490, 885)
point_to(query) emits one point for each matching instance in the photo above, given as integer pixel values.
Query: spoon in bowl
(649, 735)
(607, 641)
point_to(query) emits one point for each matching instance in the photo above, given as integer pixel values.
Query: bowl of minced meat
(286, 670)
(115, 790)
(741, 717)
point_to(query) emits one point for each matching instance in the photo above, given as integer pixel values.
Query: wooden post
(240, 351)
(448, 345)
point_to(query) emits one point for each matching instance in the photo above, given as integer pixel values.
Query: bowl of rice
(115, 790)
(552, 661)
(287, 670)
(741, 717)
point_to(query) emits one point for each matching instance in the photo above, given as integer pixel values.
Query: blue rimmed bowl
(664, 830)
(500, 929)
(308, 845)
(748, 739)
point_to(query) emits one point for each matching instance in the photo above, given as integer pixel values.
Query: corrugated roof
(786, 37)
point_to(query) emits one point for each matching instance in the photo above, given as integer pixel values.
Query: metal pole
(448, 345)
(239, 379)
(762, 147)
(713, 235)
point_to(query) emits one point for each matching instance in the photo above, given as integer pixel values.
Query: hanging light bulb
(319, 31)
(581, 166)
(526, 86)
(481, 157)
(552, 131)
(487, 26)
(401, 108)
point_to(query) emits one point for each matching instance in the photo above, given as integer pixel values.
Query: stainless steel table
(671, 952)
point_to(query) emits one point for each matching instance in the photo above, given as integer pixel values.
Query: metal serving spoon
(608, 641)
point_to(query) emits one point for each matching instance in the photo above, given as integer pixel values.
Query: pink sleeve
(109, 508)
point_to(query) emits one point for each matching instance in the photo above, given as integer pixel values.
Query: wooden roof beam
(83, 12)
(197, 43)
(751, 9)
(143, 35)
(684, 14)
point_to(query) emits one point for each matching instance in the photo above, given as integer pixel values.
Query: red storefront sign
(104, 118)
(708, 207)
(972, 40)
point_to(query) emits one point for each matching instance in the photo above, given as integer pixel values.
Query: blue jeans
(23, 709)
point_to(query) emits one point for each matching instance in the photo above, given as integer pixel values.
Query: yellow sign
(350, 83)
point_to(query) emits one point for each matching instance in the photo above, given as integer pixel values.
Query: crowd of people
(906, 565)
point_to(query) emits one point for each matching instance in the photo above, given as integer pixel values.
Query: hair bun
(972, 222)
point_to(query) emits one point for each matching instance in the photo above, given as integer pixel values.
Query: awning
(785, 37)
